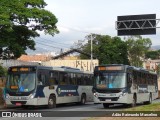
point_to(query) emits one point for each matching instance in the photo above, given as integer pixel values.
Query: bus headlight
(31, 96)
(95, 94)
(122, 94)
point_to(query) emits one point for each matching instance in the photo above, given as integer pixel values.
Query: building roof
(35, 58)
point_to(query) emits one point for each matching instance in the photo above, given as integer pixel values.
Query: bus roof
(61, 68)
(125, 67)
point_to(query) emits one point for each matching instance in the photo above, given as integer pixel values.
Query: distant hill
(156, 47)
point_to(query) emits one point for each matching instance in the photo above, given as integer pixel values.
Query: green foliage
(3, 71)
(19, 22)
(153, 54)
(150, 107)
(137, 48)
(106, 49)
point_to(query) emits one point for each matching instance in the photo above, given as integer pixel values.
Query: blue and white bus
(123, 84)
(41, 85)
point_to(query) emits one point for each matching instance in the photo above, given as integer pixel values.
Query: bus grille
(108, 91)
(22, 102)
(108, 98)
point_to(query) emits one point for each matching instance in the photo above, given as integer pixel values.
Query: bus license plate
(108, 100)
(18, 104)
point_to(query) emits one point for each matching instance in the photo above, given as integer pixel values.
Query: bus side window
(147, 79)
(155, 79)
(79, 79)
(150, 80)
(72, 78)
(142, 78)
(90, 80)
(129, 79)
(85, 79)
(41, 79)
(139, 78)
(63, 77)
(152, 83)
(82, 80)
(53, 78)
(134, 77)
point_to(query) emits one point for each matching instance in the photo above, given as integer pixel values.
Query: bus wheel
(133, 104)
(52, 102)
(105, 105)
(83, 99)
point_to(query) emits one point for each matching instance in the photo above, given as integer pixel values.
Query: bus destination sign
(101, 68)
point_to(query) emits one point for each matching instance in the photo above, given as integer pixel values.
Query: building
(151, 64)
(35, 58)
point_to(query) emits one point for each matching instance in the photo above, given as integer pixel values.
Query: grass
(150, 107)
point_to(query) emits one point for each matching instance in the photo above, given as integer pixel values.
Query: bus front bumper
(112, 98)
(22, 102)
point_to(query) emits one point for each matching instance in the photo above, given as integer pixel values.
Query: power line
(54, 41)
(51, 43)
(48, 45)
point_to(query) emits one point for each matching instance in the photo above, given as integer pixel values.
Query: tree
(137, 47)
(107, 49)
(3, 71)
(20, 21)
(153, 54)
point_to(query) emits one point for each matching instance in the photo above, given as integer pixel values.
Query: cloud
(63, 29)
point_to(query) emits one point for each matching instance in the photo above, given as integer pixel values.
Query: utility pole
(91, 53)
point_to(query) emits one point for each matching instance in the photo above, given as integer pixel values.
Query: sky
(78, 18)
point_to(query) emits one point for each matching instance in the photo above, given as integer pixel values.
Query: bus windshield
(110, 80)
(21, 82)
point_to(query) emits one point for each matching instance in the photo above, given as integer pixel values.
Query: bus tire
(83, 99)
(52, 102)
(134, 99)
(105, 105)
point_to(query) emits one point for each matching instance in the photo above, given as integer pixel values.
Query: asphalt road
(68, 111)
